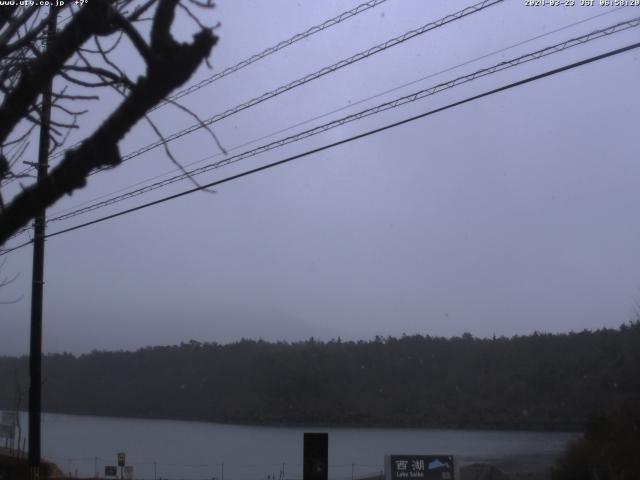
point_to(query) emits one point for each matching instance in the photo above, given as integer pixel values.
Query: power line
(17, 247)
(313, 76)
(281, 45)
(371, 111)
(350, 105)
(248, 61)
(622, 26)
(413, 97)
(310, 77)
(352, 138)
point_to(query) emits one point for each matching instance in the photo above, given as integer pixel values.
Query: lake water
(198, 450)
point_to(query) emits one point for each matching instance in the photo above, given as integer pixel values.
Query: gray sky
(507, 215)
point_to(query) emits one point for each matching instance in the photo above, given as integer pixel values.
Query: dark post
(35, 351)
(316, 455)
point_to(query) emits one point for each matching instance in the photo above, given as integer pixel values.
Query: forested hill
(536, 381)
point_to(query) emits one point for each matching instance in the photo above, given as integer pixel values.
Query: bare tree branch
(90, 19)
(169, 65)
(14, 24)
(102, 72)
(31, 35)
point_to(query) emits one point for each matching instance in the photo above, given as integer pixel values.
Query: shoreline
(563, 428)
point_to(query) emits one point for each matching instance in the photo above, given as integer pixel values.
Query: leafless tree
(79, 55)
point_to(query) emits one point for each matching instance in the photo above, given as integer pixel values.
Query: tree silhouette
(77, 56)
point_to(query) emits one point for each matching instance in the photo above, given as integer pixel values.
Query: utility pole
(35, 351)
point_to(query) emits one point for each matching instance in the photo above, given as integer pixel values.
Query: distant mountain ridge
(539, 381)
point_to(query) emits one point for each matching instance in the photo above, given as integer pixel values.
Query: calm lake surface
(198, 450)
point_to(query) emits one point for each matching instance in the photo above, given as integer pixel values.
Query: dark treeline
(538, 381)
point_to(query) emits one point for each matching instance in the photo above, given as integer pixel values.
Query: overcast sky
(510, 214)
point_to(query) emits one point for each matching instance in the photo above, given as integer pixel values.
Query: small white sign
(420, 467)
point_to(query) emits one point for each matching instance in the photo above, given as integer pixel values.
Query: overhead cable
(363, 7)
(339, 109)
(313, 76)
(503, 88)
(622, 26)
(281, 45)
